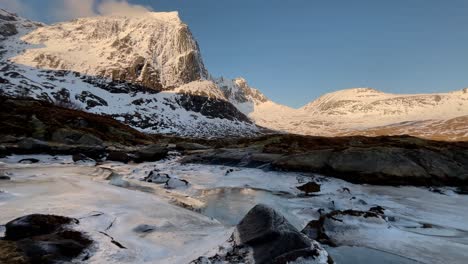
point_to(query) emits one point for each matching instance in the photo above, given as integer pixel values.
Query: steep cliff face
(155, 50)
(144, 71)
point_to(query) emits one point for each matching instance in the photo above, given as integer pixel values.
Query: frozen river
(160, 225)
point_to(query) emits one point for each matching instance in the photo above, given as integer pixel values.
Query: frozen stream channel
(159, 225)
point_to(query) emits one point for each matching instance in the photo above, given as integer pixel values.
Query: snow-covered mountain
(367, 111)
(356, 111)
(145, 71)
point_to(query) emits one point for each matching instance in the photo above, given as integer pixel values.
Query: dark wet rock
(120, 156)
(310, 187)
(269, 234)
(267, 237)
(233, 157)
(427, 225)
(35, 225)
(41, 239)
(400, 161)
(4, 177)
(81, 158)
(437, 190)
(229, 171)
(29, 161)
(311, 161)
(462, 190)
(153, 152)
(377, 209)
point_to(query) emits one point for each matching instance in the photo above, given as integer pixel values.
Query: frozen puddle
(158, 225)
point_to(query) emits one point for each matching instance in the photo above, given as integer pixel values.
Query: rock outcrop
(42, 239)
(375, 160)
(265, 236)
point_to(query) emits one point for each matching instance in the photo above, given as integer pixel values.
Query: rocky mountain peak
(155, 50)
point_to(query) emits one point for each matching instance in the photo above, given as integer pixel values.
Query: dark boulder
(462, 190)
(153, 152)
(269, 234)
(4, 177)
(310, 187)
(81, 158)
(41, 239)
(35, 225)
(29, 161)
(265, 236)
(120, 156)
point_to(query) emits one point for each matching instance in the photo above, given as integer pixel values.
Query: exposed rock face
(41, 239)
(161, 54)
(381, 161)
(153, 152)
(269, 234)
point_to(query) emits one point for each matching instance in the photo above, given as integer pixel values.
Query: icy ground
(160, 225)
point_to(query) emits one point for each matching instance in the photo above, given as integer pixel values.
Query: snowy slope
(145, 71)
(359, 103)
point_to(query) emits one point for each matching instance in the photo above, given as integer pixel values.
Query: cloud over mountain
(62, 10)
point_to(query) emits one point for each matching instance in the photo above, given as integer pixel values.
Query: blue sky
(294, 51)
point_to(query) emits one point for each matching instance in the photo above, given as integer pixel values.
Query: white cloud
(121, 7)
(62, 10)
(69, 9)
